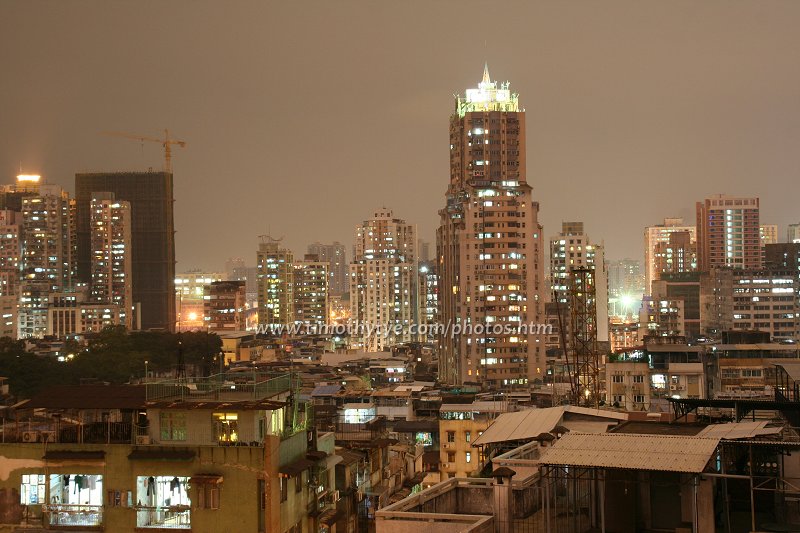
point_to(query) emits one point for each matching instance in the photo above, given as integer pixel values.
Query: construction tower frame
(583, 334)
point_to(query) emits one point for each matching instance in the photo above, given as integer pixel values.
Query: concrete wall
(239, 501)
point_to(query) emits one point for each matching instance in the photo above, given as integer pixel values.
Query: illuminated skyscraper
(489, 250)
(48, 255)
(274, 265)
(111, 255)
(383, 280)
(728, 233)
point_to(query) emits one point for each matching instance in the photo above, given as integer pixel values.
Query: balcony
(173, 517)
(64, 515)
(41, 430)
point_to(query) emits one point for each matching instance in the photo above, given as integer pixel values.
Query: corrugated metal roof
(793, 369)
(587, 426)
(326, 390)
(739, 430)
(615, 415)
(522, 425)
(476, 407)
(632, 452)
(527, 424)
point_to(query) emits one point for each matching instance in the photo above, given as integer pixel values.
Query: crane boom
(166, 142)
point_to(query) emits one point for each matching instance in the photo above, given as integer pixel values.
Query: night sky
(302, 117)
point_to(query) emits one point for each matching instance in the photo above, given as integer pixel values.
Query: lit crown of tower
(487, 97)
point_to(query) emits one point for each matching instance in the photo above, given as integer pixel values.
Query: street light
(145, 369)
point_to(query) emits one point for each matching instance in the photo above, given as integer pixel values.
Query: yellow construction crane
(166, 142)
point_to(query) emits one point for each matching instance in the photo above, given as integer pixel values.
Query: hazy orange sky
(302, 117)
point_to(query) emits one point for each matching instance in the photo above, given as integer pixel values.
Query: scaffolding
(583, 334)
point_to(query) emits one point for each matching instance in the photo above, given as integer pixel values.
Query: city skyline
(660, 122)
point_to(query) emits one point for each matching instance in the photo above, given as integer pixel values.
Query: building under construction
(152, 237)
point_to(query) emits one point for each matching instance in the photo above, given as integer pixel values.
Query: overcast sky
(302, 117)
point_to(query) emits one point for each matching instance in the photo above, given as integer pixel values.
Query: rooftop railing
(227, 386)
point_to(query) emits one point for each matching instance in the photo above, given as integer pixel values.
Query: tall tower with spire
(489, 247)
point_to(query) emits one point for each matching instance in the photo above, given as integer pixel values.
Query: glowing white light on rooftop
(30, 178)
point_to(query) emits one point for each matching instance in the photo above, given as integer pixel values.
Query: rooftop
(528, 424)
(489, 96)
(632, 452)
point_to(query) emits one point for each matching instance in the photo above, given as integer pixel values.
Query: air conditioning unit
(30, 436)
(387, 473)
(360, 495)
(142, 439)
(673, 387)
(336, 496)
(47, 436)
(445, 465)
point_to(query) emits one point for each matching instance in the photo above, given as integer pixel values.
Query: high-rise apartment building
(783, 256)
(490, 257)
(25, 185)
(793, 233)
(224, 306)
(189, 298)
(728, 232)
(383, 282)
(10, 257)
(653, 235)
(111, 281)
(428, 300)
(678, 254)
(680, 290)
(423, 250)
(10, 252)
(311, 303)
(48, 255)
(752, 300)
(152, 238)
(338, 270)
(274, 265)
(570, 250)
(768, 234)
